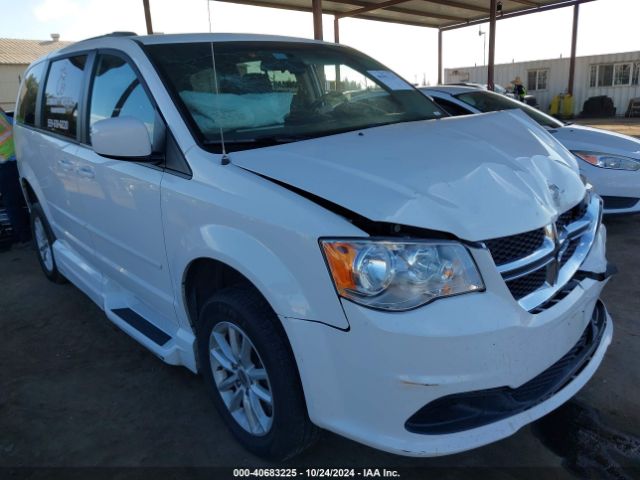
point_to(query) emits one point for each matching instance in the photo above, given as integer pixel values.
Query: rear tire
(44, 238)
(252, 375)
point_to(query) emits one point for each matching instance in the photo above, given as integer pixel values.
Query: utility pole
(484, 50)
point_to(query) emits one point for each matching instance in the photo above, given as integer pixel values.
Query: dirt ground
(628, 126)
(77, 392)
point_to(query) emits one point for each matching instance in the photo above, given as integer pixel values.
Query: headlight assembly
(605, 160)
(402, 275)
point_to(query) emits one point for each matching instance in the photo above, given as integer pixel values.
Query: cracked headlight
(400, 275)
(605, 160)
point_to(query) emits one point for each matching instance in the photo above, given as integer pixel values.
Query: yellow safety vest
(7, 150)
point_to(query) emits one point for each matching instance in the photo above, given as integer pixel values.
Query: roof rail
(114, 34)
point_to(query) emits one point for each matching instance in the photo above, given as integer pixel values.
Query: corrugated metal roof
(15, 51)
(425, 13)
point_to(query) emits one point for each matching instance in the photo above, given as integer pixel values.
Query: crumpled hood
(477, 177)
(579, 137)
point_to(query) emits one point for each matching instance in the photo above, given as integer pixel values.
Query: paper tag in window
(390, 79)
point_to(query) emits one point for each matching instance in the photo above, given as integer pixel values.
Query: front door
(122, 199)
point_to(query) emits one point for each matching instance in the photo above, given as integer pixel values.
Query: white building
(615, 75)
(15, 56)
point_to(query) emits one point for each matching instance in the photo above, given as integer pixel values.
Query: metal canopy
(441, 14)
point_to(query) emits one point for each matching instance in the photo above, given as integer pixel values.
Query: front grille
(523, 286)
(568, 253)
(572, 214)
(508, 249)
(508, 252)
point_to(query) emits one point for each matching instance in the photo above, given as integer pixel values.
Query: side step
(145, 327)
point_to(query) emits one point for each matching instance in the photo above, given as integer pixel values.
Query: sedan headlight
(401, 275)
(605, 160)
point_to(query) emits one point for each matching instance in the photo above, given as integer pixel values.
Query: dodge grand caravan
(326, 247)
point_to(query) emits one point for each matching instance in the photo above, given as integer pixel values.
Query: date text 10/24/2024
(315, 473)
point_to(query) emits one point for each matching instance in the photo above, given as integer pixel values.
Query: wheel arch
(203, 277)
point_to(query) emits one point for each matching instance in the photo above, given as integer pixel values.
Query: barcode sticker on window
(390, 80)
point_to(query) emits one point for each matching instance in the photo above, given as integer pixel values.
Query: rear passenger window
(62, 95)
(26, 111)
(117, 92)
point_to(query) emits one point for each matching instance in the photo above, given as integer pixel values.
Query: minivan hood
(477, 177)
(583, 138)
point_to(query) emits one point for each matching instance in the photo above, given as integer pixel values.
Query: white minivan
(315, 237)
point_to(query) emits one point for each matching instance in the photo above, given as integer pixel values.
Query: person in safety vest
(518, 89)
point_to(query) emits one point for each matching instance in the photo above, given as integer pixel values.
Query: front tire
(249, 369)
(43, 238)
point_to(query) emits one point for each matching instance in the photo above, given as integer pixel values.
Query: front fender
(263, 268)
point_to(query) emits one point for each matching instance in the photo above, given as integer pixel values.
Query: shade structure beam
(389, 4)
(574, 42)
(147, 16)
(492, 45)
(316, 6)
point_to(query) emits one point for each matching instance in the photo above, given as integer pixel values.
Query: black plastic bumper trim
(600, 277)
(464, 411)
(613, 203)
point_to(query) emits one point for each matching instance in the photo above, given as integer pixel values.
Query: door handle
(65, 164)
(86, 172)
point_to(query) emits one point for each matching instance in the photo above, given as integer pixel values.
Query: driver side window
(117, 92)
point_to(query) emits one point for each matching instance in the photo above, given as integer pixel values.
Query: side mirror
(122, 138)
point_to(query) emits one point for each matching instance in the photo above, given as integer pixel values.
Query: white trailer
(616, 75)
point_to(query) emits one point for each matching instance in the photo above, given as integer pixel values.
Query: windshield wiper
(261, 142)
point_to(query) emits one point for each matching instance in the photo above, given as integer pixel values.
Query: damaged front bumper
(371, 383)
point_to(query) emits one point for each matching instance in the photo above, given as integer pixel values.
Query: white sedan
(610, 161)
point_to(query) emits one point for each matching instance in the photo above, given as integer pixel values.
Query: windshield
(273, 92)
(486, 101)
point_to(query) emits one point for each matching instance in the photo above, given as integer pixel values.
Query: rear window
(62, 95)
(26, 110)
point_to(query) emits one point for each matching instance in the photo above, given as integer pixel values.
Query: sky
(605, 26)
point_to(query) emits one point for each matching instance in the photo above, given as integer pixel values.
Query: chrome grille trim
(559, 238)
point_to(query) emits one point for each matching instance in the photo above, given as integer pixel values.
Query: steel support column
(574, 41)
(316, 6)
(147, 16)
(336, 29)
(492, 45)
(439, 57)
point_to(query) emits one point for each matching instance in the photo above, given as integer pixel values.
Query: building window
(537, 79)
(613, 74)
(622, 73)
(605, 75)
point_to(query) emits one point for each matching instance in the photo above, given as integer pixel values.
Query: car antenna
(224, 160)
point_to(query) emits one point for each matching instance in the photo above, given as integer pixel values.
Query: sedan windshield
(486, 101)
(268, 93)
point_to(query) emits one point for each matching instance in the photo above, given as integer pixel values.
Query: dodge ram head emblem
(553, 267)
(555, 192)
